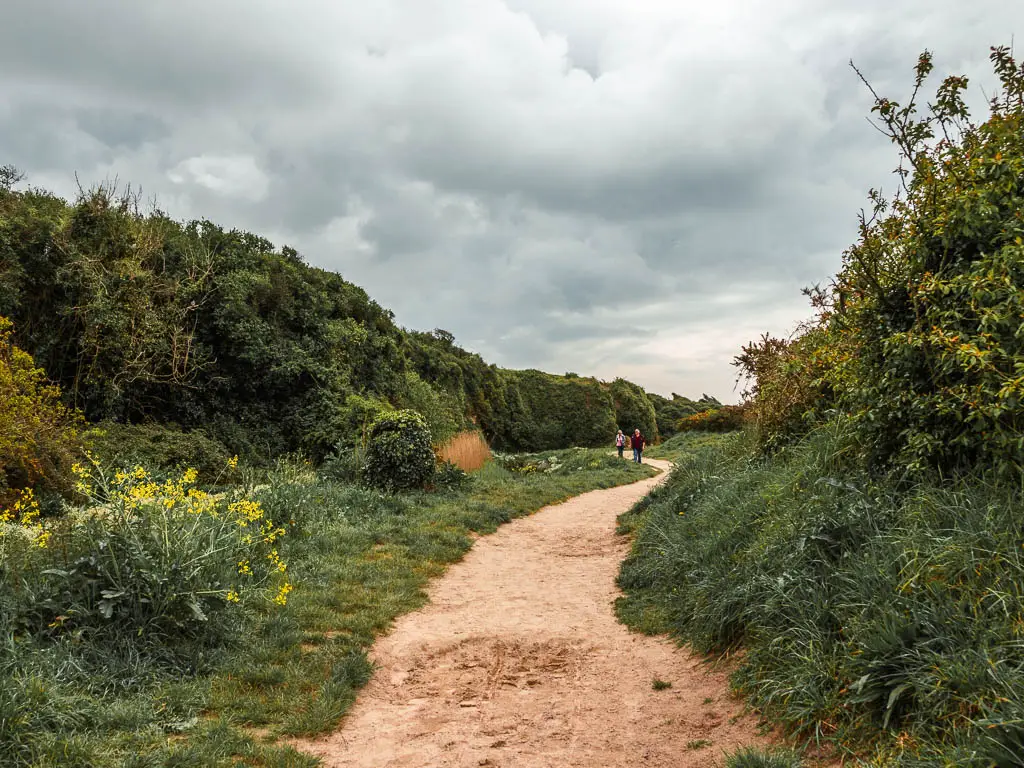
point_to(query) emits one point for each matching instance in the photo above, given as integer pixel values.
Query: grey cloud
(616, 189)
(121, 129)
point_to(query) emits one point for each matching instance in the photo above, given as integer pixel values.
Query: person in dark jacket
(638, 443)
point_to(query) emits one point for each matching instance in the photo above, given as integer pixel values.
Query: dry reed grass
(467, 450)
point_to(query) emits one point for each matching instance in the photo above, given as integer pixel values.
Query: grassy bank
(355, 558)
(884, 620)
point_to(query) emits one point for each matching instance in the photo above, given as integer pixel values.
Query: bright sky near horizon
(609, 187)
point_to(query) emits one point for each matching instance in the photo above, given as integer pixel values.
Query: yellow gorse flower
(24, 513)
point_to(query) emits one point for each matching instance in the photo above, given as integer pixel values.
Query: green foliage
(158, 447)
(399, 455)
(724, 419)
(789, 392)
(38, 434)
(563, 462)
(668, 412)
(863, 544)
(141, 319)
(548, 412)
(918, 341)
(345, 465)
(934, 289)
(862, 608)
(450, 477)
(633, 409)
(159, 566)
(442, 412)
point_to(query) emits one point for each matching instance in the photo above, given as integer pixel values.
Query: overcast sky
(611, 187)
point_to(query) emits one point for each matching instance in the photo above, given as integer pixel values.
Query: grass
(680, 445)
(467, 450)
(660, 685)
(358, 559)
(882, 620)
(758, 758)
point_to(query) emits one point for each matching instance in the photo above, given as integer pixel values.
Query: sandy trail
(518, 661)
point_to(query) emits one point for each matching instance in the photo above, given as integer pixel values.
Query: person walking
(620, 442)
(638, 442)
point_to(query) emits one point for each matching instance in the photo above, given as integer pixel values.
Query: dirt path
(517, 661)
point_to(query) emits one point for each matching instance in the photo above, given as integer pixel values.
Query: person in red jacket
(637, 442)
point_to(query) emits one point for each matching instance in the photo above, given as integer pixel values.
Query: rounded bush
(399, 454)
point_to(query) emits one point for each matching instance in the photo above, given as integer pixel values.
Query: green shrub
(933, 293)
(38, 437)
(789, 389)
(667, 412)
(450, 477)
(918, 341)
(723, 419)
(442, 413)
(345, 464)
(549, 412)
(633, 409)
(158, 447)
(399, 454)
(159, 565)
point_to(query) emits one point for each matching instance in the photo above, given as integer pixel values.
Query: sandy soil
(518, 661)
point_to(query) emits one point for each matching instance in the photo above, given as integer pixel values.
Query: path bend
(517, 661)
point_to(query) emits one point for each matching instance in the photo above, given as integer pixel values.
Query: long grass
(467, 450)
(886, 621)
(358, 558)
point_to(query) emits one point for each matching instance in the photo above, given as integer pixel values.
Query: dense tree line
(141, 319)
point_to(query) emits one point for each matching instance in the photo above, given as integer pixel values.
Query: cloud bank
(603, 187)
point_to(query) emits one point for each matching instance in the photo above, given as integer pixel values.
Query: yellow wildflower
(282, 594)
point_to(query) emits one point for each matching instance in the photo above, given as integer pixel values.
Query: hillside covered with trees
(211, 342)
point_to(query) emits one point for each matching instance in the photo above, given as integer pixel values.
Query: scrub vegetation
(861, 541)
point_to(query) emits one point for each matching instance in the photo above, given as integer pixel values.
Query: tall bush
(724, 419)
(932, 295)
(38, 434)
(399, 454)
(918, 340)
